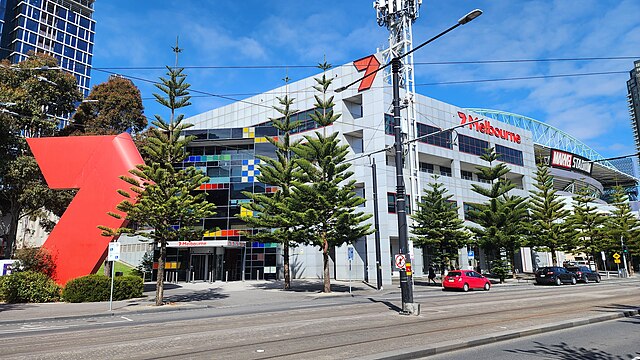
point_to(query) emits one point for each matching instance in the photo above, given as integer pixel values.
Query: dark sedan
(584, 274)
(555, 275)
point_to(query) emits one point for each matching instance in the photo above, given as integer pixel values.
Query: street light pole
(408, 306)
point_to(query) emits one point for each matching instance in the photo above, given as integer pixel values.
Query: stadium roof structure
(549, 137)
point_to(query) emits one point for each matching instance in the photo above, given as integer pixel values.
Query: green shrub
(28, 286)
(88, 288)
(96, 287)
(127, 287)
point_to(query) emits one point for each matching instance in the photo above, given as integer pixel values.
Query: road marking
(126, 318)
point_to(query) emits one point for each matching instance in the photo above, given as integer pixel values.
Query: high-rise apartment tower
(633, 97)
(62, 28)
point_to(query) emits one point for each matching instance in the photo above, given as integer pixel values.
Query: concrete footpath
(187, 296)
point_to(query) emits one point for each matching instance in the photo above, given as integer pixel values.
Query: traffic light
(624, 249)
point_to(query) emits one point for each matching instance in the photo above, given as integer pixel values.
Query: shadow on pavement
(390, 305)
(564, 351)
(149, 287)
(307, 286)
(11, 307)
(203, 295)
(617, 308)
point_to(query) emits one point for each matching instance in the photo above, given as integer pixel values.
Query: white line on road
(126, 318)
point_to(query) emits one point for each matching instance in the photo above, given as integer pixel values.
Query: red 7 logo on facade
(93, 165)
(370, 65)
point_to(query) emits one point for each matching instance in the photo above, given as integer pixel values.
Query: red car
(465, 280)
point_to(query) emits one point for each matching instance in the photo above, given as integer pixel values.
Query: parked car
(555, 275)
(584, 274)
(465, 280)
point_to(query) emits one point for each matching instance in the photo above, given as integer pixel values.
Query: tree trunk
(325, 261)
(160, 282)
(107, 268)
(595, 262)
(287, 269)
(512, 256)
(554, 256)
(10, 239)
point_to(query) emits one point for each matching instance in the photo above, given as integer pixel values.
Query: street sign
(350, 253)
(400, 261)
(470, 254)
(114, 251)
(617, 261)
(616, 256)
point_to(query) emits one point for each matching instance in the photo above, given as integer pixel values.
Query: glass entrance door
(198, 267)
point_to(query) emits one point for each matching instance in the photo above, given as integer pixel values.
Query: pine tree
(271, 212)
(437, 225)
(324, 201)
(622, 226)
(586, 222)
(502, 217)
(547, 228)
(163, 197)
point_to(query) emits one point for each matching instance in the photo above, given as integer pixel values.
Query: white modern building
(230, 137)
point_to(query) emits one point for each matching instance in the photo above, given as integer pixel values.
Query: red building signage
(569, 161)
(93, 165)
(370, 66)
(485, 127)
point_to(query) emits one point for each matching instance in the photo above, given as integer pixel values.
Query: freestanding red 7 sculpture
(93, 165)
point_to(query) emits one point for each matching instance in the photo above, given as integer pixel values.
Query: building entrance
(203, 267)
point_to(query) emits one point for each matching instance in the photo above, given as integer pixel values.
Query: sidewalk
(186, 296)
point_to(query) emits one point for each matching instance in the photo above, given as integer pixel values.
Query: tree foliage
(164, 197)
(547, 228)
(437, 224)
(111, 108)
(587, 223)
(324, 202)
(33, 94)
(271, 210)
(501, 217)
(622, 226)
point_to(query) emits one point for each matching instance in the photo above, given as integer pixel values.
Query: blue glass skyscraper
(62, 28)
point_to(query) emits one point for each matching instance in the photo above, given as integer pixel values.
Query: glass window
(359, 190)
(472, 145)
(426, 167)
(32, 25)
(445, 171)
(391, 203)
(466, 175)
(84, 22)
(467, 207)
(442, 139)
(62, 12)
(69, 52)
(509, 155)
(82, 45)
(215, 134)
(388, 124)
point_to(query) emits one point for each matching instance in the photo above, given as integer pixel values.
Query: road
(319, 328)
(616, 339)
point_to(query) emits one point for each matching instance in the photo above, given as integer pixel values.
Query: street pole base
(410, 309)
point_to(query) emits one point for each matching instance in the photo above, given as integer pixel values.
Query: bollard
(226, 276)
(258, 277)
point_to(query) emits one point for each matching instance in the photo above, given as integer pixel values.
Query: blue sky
(140, 33)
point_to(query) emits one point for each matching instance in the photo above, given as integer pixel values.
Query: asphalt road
(341, 327)
(616, 339)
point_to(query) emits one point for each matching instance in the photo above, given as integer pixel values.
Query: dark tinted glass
(454, 273)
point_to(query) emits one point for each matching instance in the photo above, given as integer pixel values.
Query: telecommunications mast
(398, 16)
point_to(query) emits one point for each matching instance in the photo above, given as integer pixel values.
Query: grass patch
(120, 267)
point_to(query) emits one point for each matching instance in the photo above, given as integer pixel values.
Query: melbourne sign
(569, 161)
(485, 127)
